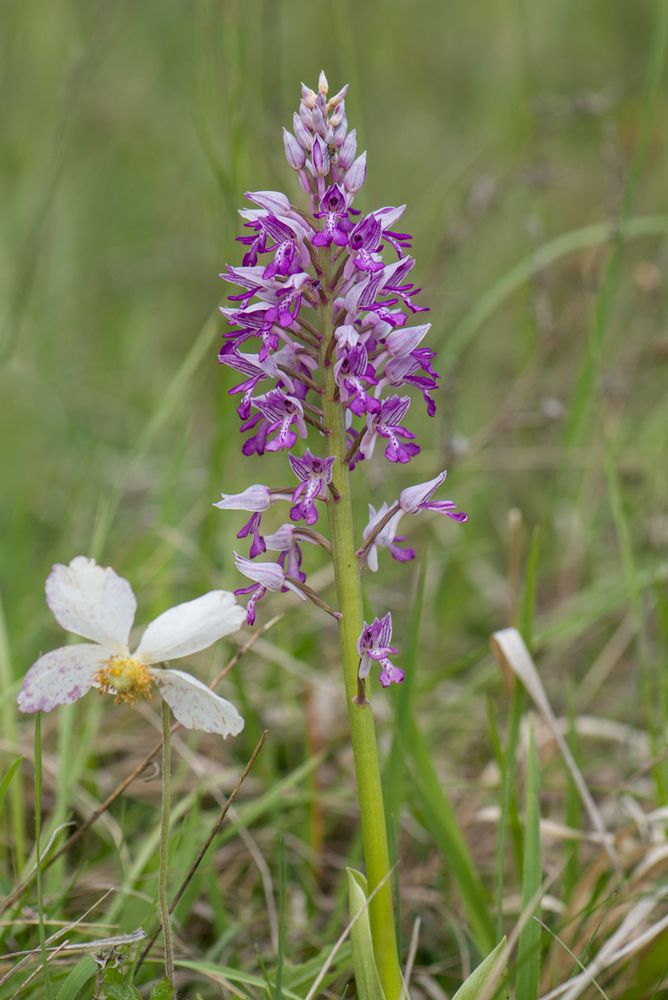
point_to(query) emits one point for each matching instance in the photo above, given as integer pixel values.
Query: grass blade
(486, 974)
(528, 951)
(77, 978)
(442, 821)
(6, 781)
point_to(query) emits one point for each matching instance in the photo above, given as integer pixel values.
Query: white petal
(60, 677)
(189, 627)
(92, 601)
(195, 706)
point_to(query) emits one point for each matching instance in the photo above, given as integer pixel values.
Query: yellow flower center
(127, 679)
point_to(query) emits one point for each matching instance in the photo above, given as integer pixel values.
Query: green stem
(362, 730)
(10, 732)
(38, 853)
(163, 902)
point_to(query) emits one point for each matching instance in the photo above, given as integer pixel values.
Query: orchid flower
(373, 645)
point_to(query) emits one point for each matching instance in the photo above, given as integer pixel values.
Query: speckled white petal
(61, 677)
(92, 601)
(195, 706)
(189, 627)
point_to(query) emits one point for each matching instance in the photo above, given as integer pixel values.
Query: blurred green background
(130, 132)
(529, 141)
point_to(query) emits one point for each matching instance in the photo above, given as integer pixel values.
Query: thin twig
(215, 830)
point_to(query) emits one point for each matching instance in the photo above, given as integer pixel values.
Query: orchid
(417, 498)
(385, 537)
(95, 603)
(373, 645)
(326, 297)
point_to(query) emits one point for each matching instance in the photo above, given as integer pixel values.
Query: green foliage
(485, 978)
(367, 981)
(529, 947)
(116, 987)
(7, 778)
(85, 970)
(442, 822)
(163, 991)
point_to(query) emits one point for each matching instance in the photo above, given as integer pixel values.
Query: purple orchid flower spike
(296, 264)
(374, 645)
(315, 475)
(416, 498)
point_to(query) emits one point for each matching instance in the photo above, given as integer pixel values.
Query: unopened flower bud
(354, 178)
(323, 85)
(306, 115)
(294, 153)
(336, 119)
(304, 137)
(305, 181)
(319, 124)
(320, 157)
(308, 97)
(335, 101)
(341, 131)
(348, 150)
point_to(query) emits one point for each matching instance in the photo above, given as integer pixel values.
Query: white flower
(94, 602)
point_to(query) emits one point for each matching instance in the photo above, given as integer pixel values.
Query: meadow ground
(529, 142)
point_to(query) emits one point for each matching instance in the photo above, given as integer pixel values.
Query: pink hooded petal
(195, 706)
(92, 601)
(267, 574)
(60, 677)
(411, 499)
(255, 498)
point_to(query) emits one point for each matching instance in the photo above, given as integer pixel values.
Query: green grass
(529, 143)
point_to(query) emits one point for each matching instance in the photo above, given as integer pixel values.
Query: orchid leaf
(364, 963)
(487, 974)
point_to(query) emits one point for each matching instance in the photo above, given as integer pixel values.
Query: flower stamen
(126, 678)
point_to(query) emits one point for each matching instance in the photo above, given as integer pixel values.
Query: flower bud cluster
(296, 265)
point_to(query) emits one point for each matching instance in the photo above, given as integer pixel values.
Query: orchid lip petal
(195, 705)
(190, 627)
(92, 601)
